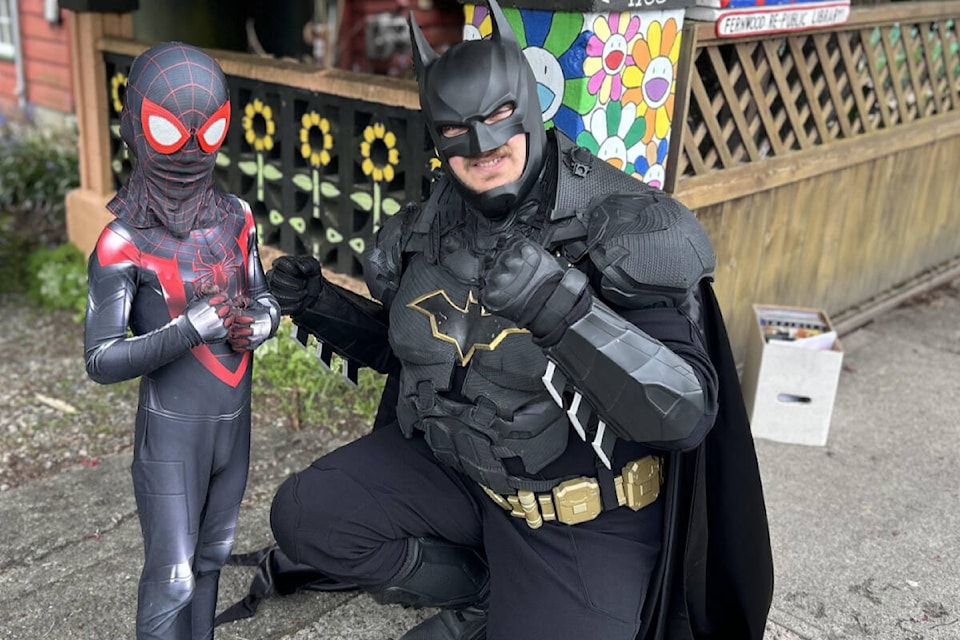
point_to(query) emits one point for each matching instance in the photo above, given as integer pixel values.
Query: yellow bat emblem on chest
(469, 328)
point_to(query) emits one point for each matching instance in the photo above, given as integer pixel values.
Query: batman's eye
(163, 130)
(502, 113)
(452, 130)
(214, 130)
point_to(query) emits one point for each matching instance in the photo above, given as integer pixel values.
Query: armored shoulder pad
(383, 262)
(647, 240)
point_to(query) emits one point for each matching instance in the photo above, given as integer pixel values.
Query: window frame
(8, 30)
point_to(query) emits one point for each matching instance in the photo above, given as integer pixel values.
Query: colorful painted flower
(382, 144)
(258, 125)
(651, 81)
(317, 150)
(477, 22)
(550, 41)
(615, 135)
(608, 54)
(553, 42)
(116, 82)
(651, 167)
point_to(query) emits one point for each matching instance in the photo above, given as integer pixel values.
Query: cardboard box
(791, 374)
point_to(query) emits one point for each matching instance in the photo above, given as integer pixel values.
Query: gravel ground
(52, 416)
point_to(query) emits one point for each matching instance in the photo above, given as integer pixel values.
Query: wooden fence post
(85, 210)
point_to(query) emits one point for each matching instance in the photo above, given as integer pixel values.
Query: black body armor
(474, 383)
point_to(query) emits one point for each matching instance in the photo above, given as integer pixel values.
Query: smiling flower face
(651, 166)
(651, 81)
(609, 53)
(614, 134)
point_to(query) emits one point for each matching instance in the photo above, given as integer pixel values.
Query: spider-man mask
(175, 117)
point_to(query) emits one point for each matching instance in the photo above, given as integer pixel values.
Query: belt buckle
(577, 500)
(641, 482)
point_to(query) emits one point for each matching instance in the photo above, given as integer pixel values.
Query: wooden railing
(321, 156)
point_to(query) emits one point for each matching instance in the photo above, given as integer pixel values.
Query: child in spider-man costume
(177, 296)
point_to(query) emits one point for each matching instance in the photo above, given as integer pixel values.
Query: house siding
(46, 57)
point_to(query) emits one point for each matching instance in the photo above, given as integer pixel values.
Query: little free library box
(791, 374)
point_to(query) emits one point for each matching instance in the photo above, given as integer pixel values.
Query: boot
(440, 574)
(469, 623)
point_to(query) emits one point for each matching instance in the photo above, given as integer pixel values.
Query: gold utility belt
(578, 499)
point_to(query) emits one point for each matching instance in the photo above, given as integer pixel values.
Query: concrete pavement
(866, 530)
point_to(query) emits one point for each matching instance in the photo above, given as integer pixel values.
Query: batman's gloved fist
(295, 282)
(527, 285)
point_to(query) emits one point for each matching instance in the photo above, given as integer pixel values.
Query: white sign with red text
(776, 19)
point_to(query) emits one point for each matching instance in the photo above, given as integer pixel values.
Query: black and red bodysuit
(177, 297)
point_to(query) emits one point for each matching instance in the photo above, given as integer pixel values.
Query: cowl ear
(423, 53)
(501, 28)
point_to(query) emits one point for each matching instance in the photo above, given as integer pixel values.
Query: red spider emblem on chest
(216, 276)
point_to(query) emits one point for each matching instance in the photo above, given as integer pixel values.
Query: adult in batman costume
(178, 298)
(561, 450)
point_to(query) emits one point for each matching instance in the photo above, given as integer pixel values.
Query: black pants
(350, 513)
(188, 477)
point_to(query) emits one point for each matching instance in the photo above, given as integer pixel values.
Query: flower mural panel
(606, 79)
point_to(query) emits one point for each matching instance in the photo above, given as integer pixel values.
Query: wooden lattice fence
(823, 163)
(760, 98)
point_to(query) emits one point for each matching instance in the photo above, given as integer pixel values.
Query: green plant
(36, 171)
(14, 249)
(305, 391)
(58, 279)
(37, 168)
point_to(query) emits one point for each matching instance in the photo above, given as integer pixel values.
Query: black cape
(714, 579)
(715, 575)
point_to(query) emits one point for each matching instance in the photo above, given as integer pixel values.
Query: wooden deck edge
(397, 92)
